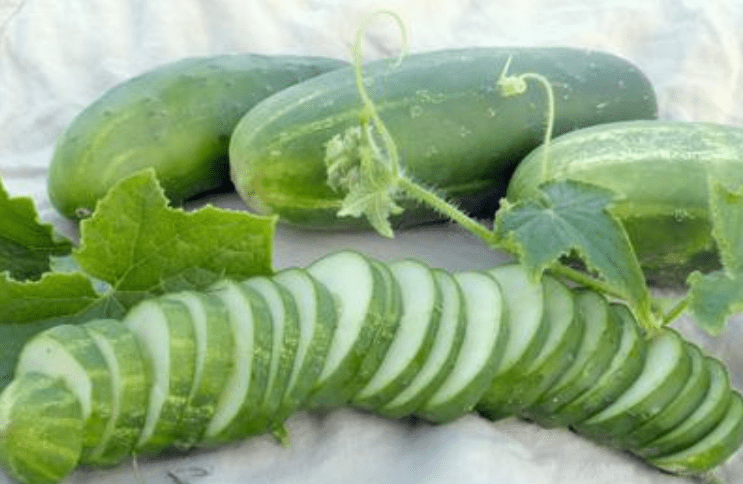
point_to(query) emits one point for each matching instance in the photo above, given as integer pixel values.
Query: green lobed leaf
(726, 209)
(574, 218)
(713, 298)
(26, 244)
(135, 241)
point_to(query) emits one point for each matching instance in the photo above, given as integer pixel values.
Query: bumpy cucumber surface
(454, 129)
(396, 338)
(669, 222)
(176, 118)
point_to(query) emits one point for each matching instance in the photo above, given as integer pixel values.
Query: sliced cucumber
(557, 351)
(164, 330)
(709, 412)
(212, 335)
(317, 322)
(359, 294)
(599, 344)
(676, 412)
(626, 364)
(68, 352)
(484, 342)
(285, 318)
(41, 429)
(714, 449)
(241, 397)
(421, 305)
(443, 354)
(129, 387)
(666, 370)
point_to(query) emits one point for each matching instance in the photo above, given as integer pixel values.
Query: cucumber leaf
(134, 241)
(26, 244)
(570, 218)
(713, 298)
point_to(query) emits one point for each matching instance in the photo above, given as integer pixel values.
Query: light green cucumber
(444, 352)
(176, 118)
(165, 332)
(41, 429)
(454, 129)
(661, 171)
(485, 337)
(68, 353)
(413, 339)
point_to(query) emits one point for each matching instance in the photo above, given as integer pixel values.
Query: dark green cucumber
(453, 128)
(661, 171)
(176, 118)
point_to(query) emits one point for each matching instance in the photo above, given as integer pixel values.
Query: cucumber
(176, 118)
(397, 338)
(668, 225)
(453, 128)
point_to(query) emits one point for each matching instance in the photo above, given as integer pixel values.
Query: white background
(58, 56)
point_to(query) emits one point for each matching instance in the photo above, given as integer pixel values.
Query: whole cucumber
(454, 129)
(176, 118)
(660, 169)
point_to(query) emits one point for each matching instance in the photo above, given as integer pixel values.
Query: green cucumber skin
(176, 118)
(453, 128)
(669, 225)
(661, 426)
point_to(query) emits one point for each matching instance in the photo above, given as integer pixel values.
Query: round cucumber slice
(317, 323)
(411, 345)
(711, 451)
(285, 319)
(129, 387)
(707, 414)
(482, 348)
(626, 364)
(41, 429)
(360, 297)
(164, 331)
(666, 370)
(212, 365)
(676, 412)
(443, 354)
(241, 397)
(68, 352)
(600, 342)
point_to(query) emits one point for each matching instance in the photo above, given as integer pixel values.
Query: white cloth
(58, 56)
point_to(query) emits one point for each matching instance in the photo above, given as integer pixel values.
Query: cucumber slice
(129, 387)
(624, 368)
(359, 293)
(528, 331)
(164, 331)
(557, 351)
(444, 352)
(421, 305)
(212, 366)
(241, 397)
(41, 429)
(676, 412)
(68, 352)
(285, 318)
(600, 342)
(666, 370)
(711, 451)
(709, 412)
(484, 342)
(317, 322)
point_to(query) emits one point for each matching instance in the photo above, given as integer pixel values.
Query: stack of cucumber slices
(194, 369)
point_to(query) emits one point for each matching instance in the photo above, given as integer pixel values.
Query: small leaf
(713, 298)
(569, 218)
(26, 244)
(135, 241)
